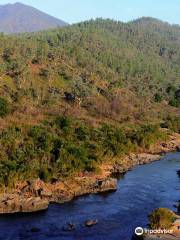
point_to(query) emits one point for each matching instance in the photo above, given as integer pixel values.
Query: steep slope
(76, 96)
(16, 18)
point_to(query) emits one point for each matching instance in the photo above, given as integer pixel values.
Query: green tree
(161, 218)
(4, 107)
(158, 97)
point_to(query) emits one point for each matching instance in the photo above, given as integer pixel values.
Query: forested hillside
(72, 97)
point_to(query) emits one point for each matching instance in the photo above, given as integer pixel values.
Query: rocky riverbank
(36, 195)
(146, 156)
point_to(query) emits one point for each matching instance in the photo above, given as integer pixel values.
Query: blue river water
(139, 192)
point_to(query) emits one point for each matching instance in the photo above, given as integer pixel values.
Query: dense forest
(73, 97)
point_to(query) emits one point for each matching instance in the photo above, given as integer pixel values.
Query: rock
(145, 158)
(69, 227)
(9, 203)
(33, 204)
(164, 145)
(45, 193)
(91, 222)
(36, 186)
(13, 203)
(178, 148)
(105, 185)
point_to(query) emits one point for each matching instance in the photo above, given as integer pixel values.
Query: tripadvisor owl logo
(139, 231)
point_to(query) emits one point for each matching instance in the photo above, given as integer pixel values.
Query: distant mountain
(17, 18)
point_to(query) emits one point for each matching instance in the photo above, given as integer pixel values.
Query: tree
(177, 94)
(158, 97)
(7, 54)
(4, 107)
(161, 218)
(63, 123)
(80, 89)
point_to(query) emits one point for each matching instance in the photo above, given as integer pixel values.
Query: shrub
(47, 151)
(7, 54)
(63, 123)
(44, 174)
(146, 135)
(172, 123)
(41, 138)
(81, 133)
(44, 73)
(4, 107)
(174, 102)
(114, 140)
(72, 159)
(177, 94)
(161, 218)
(57, 144)
(175, 98)
(158, 97)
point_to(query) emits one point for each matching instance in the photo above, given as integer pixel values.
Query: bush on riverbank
(63, 147)
(161, 218)
(172, 123)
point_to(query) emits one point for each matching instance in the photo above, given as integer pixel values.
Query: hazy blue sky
(77, 10)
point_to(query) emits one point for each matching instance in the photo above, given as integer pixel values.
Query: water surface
(139, 192)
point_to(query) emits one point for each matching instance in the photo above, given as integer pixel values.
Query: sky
(73, 11)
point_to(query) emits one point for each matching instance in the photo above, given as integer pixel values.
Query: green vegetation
(161, 218)
(83, 94)
(172, 123)
(4, 107)
(158, 97)
(64, 147)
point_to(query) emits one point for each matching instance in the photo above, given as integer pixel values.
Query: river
(139, 192)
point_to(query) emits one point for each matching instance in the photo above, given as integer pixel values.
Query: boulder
(69, 227)
(13, 203)
(91, 222)
(105, 185)
(33, 204)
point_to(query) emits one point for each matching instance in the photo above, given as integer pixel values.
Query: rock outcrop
(13, 203)
(36, 195)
